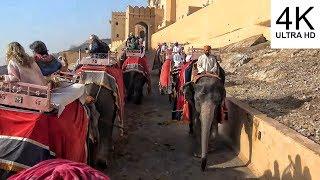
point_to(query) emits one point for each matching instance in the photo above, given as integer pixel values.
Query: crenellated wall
(141, 16)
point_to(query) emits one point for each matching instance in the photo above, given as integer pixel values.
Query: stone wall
(182, 6)
(219, 24)
(118, 25)
(115, 45)
(270, 149)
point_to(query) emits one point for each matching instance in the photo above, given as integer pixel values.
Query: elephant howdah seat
(34, 98)
(27, 96)
(37, 122)
(100, 59)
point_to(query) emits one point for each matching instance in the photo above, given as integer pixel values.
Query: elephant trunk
(206, 118)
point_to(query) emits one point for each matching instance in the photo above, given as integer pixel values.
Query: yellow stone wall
(118, 24)
(221, 23)
(116, 44)
(270, 149)
(182, 6)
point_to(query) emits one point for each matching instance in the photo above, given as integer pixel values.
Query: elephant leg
(106, 143)
(138, 95)
(138, 88)
(92, 151)
(129, 93)
(213, 132)
(197, 131)
(128, 85)
(192, 117)
(191, 132)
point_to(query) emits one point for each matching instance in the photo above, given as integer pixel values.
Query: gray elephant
(205, 98)
(134, 82)
(100, 133)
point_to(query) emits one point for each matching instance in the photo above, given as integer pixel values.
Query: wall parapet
(271, 149)
(118, 14)
(142, 11)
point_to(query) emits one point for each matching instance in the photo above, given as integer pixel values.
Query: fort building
(192, 22)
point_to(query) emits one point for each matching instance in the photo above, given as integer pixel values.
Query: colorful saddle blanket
(108, 77)
(165, 83)
(29, 138)
(136, 64)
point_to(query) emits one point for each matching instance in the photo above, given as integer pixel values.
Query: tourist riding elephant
(134, 82)
(205, 97)
(100, 132)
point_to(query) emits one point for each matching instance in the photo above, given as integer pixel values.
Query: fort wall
(218, 24)
(270, 149)
(118, 24)
(182, 6)
(141, 16)
(115, 44)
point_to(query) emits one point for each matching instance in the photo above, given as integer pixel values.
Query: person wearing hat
(207, 63)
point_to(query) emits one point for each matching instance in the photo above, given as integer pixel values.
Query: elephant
(205, 98)
(101, 147)
(134, 82)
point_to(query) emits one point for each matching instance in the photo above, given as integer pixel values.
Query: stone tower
(118, 26)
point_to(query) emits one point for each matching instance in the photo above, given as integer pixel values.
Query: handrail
(25, 95)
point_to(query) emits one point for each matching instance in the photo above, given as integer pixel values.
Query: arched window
(117, 23)
(117, 35)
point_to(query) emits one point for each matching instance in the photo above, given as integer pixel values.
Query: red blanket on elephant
(59, 169)
(29, 138)
(137, 64)
(119, 89)
(165, 80)
(182, 104)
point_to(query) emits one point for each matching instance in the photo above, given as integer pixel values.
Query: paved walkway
(158, 151)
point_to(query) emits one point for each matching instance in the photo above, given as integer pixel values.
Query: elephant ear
(188, 90)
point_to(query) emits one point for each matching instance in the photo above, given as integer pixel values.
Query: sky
(58, 23)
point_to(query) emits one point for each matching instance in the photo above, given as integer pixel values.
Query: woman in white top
(21, 67)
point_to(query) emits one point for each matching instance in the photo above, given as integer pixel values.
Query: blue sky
(59, 23)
